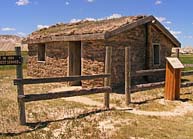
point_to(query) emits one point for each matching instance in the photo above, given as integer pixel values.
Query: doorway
(74, 63)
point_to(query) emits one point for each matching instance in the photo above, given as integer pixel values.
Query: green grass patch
(187, 59)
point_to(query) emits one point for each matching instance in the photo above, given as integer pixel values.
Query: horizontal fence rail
(157, 71)
(147, 72)
(71, 93)
(59, 79)
(187, 73)
(143, 87)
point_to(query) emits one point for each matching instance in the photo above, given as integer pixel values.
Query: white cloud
(90, 19)
(114, 16)
(158, 2)
(67, 3)
(42, 26)
(22, 34)
(163, 20)
(75, 20)
(175, 33)
(189, 37)
(168, 22)
(22, 2)
(90, 1)
(8, 29)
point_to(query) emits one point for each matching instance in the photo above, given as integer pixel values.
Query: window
(156, 54)
(41, 52)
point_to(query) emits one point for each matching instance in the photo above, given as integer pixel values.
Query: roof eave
(143, 21)
(82, 37)
(128, 27)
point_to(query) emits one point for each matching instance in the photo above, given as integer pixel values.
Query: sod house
(79, 48)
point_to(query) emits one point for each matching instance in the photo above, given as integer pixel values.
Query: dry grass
(65, 119)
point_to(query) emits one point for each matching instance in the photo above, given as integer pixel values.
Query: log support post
(107, 81)
(20, 90)
(127, 75)
(177, 52)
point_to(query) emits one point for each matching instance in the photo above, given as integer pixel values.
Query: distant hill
(8, 43)
(184, 50)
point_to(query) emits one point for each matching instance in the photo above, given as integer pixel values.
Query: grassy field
(187, 59)
(147, 117)
(66, 119)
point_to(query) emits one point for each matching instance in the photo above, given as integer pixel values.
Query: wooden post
(177, 52)
(173, 78)
(107, 81)
(20, 91)
(127, 76)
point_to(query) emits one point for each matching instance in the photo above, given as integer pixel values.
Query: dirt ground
(149, 116)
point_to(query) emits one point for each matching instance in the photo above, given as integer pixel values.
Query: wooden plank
(187, 73)
(20, 90)
(59, 79)
(96, 36)
(148, 72)
(74, 61)
(56, 95)
(107, 81)
(127, 75)
(178, 84)
(148, 86)
(178, 53)
(187, 84)
(175, 62)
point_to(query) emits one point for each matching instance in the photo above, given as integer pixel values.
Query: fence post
(177, 52)
(107, 81)
(127, 76)
(20, 91)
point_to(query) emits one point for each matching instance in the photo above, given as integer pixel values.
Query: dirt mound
(8, 43)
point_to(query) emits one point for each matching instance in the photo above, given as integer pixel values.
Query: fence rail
(71, 93)
(147, 72)
(143, 87)
(59, 79)
(22, 97)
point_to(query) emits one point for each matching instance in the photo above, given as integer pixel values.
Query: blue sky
(22, 17)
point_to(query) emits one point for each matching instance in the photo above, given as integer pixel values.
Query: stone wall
(165, 51)
(93, 61)
(135, 39)
(55, 63)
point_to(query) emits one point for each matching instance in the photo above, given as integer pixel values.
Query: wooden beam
(143, 87)
(148, 72)
(56, 95)
(20, 89)
(187, 84)
(96, 36)
(187, 73)
(178, 53)
(128, 26)
(59, 79)
(127, 76)
(107, 81)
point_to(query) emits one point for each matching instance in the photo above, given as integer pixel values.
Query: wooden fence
(22, 98)
(149, 72)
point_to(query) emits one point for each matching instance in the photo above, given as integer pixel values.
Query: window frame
(156, 44)
(42, 52)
